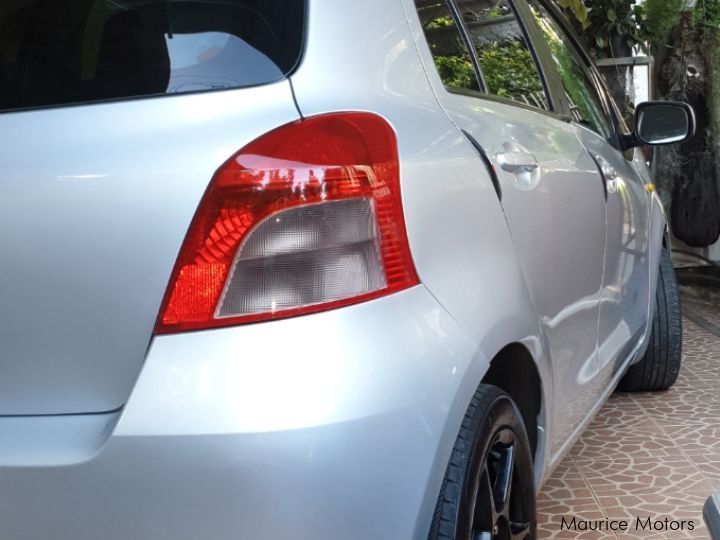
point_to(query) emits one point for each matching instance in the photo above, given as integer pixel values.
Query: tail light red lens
(306, 218)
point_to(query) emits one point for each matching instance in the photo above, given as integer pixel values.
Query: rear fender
(458, 235)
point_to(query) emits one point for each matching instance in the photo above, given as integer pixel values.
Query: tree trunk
(687, 176)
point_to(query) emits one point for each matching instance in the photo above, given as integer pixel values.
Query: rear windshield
(57, 52)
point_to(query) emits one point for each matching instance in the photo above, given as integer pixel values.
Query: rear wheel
(660, 366)
(488, 490)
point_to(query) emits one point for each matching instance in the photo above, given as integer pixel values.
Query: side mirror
(661, 122)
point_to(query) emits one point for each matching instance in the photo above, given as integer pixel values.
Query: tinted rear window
(74, 51)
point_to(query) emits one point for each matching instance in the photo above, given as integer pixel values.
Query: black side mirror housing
(661, 122)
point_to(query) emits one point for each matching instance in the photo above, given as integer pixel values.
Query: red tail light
(306, 218)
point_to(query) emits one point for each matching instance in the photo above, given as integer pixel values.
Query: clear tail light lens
(306, 218)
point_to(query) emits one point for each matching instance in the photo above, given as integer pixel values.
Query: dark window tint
(70, 51)
(449, 51)
(506, 62)
(582, 93)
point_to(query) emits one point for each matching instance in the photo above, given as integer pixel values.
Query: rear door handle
(608, 174)
(516, 161)
(606, 169)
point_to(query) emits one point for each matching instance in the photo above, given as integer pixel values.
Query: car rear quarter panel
(457, 230)
(95, 201)
(323, 426)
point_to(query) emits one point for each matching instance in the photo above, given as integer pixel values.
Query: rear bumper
(329, 426)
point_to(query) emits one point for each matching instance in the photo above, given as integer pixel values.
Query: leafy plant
(440, 22)
(613, 28)
(616, 27)
(498, 11)
(509, 69)
(579, 10)
(707, 13)
(659, 18)
(456, 71)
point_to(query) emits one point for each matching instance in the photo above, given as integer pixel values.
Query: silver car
(323, 269)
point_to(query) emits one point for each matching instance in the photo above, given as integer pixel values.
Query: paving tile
(646, 455)
(679, 406)
(695, 438)
(643, 476)
(658, 507)
(566, 483)
(572, 535)
(709, 464)
(699, 376)
(644, 440)
(565, 494)
(621, 412)
(706, 310)
(701, 361)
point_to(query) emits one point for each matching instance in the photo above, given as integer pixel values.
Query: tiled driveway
(648, 454)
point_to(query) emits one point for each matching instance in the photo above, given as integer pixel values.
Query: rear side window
(506, 62)
(451, 54)
(582, 94)
(57, 52)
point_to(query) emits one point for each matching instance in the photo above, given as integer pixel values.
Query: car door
(548, 184)
(625, 294)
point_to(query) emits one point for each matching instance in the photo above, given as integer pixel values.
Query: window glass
(582, 94)
(506, 62)
(448, 48)
(58, 51)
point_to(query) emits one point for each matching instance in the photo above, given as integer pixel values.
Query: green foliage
(707, 13)
(706, 19)
(659, 18)
(625, 24)
(573, 79)
(456, 71)
(579, 10)
(496, 12)
(439, 22)
(509, 69)
(616, 27)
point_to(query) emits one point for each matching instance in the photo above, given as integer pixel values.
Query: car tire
(488, 490)
(660, 366)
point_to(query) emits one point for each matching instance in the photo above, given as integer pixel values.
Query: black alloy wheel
(488, 492)
(496, 514)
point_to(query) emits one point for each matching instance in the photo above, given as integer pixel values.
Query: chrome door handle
(516, 161)
(608, 173)
(607, 170)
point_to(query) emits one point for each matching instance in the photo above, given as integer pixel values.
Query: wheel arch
(512, 357)
(514, 371)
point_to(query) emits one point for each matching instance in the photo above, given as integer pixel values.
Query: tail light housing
(306, 218)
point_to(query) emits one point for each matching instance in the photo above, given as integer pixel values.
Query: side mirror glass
(663, 122)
